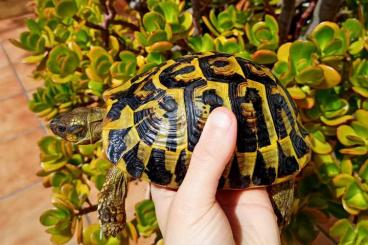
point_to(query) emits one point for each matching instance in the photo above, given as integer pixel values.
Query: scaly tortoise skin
(154, 121)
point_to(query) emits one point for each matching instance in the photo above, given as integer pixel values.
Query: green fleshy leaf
(59, 178)
(226, 19)
(363, 171)
(156, 37)
(353, 27)
(333, 47)
(272, 24)
(155, 58)
(66, 8)
(52, 217)
(362, 232)
(48, 145)
(170, 10)
(146, 217)
(33, 26)
(96, 87)
(340, 228)
(99, 181)
(62, 61)
(153, 22)
(86, 150)
(361, 129)
(355, 197)
(61, 239)
(201, 43)
(343, 133)
(324, 33)
(356, 47)
(141, 38)
(264, 56)
(343, 180)
(301, 55)
(346, 166)
(185, 21)
(328, 171)
(312, 76)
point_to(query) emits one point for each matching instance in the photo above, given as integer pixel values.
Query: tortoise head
(80, 126)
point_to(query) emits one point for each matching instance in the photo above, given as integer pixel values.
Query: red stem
(308, 12)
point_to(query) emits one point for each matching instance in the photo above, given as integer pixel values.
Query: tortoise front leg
(111, 203)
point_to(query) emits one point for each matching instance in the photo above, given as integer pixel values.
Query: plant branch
(111, 13)
(87, 210)
(104, 7)
(326, 234)
(89, 202)
(123, 44)
(307, 13)
(125, 23)
(267, 8)
(324, 10)
(285, 19)
(104, 32)
(196, 6)
(355, 219)
(90, 24)
(182, 43)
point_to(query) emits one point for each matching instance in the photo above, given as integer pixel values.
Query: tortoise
(152, 122)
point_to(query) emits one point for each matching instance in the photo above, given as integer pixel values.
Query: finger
(251, 215)
(211, 154)
(255, 196)
(162, 198)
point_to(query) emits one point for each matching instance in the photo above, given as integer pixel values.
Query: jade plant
(80, 48)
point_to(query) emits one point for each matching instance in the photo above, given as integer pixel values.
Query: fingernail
(219, 118)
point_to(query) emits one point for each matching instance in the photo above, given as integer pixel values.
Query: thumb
(210, 156)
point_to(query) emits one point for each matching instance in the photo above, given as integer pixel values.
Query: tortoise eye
(61, 129)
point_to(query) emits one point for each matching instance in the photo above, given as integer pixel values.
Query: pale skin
(199, 214)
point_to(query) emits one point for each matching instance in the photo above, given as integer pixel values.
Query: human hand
(199, 214)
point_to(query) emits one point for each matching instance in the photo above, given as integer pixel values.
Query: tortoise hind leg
(111, 202)
(282, 198)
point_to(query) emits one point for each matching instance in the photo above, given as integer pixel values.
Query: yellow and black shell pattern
(154, 121)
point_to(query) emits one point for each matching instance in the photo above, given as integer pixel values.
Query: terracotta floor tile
(16, 118)
(12, 33)
(137, 191)
(24, 72)
(321, 239)
(9, 85)
(16, 55)
(19, 161)
(3, 58)
(30, 94)
(11, 28)
(19, 219)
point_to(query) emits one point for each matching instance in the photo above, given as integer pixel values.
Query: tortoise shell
(154, 121)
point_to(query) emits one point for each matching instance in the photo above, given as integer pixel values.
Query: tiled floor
(22, 196)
